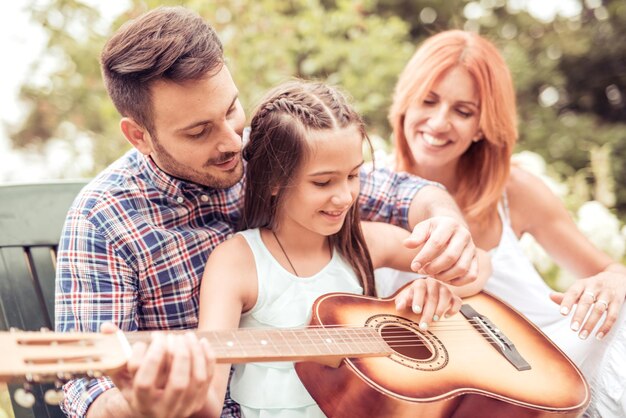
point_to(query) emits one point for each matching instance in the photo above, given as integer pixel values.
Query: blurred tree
(570, 73)
(347, 45)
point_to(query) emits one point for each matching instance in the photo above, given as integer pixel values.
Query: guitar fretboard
(245, 345)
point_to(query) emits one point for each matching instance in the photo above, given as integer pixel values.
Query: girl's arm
(229, 287)
(536, 210)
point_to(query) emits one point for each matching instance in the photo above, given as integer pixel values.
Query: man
(138, 236)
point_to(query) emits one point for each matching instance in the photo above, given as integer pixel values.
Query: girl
(303, 239)
(454, 121)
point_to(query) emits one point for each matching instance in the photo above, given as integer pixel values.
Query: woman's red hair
(484, 168)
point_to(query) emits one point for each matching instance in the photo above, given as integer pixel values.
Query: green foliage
(570, 73)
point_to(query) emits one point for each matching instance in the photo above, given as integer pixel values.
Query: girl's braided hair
(278, 146)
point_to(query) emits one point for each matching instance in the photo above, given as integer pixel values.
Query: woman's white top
(284, 300)
(515, 281)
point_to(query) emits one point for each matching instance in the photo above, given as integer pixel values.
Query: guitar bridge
(495, 337)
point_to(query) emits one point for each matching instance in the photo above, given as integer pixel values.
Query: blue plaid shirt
(135, 244)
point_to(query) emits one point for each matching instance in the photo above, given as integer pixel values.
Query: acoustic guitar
(361, 358)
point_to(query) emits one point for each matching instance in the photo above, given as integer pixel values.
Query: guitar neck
(293, 344)
(43, 356)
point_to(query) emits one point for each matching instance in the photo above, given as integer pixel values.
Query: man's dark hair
(167, 43)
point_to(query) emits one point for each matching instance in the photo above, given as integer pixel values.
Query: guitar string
(404, 339)
(403, 333)
(410, 341)
(347, 328)
(341, 345)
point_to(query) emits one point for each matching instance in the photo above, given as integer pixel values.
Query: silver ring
(590, 293)
(604, 302)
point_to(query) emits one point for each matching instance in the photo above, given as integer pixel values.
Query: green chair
(31, 219)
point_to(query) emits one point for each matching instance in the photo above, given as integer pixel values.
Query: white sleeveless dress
(516, 281)
(273, 390)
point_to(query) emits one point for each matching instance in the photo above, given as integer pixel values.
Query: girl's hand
(599, 294)
(430, 299)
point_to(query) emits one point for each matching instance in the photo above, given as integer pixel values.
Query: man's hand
(445, 250)
(169, 377)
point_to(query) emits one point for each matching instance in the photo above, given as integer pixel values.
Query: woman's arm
(445, 246)
(440, 234)
(536, 210)
(229, 287)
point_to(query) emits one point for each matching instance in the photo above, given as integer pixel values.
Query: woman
(454, 122)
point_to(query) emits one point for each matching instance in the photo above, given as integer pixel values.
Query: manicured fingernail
(435, 318)
(575, 326)
(564, 310)
(415, 266)
(417, 309)
(423, 326)
(599, 335)
(583, 334)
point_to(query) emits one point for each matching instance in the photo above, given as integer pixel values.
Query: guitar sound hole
(405, 342)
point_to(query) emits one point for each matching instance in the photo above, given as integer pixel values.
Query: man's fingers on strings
(198, 384)
(148, 374)
(179, 393)
(199, 373)
(137, 355)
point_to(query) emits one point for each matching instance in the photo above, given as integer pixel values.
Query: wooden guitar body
(361, 358)
(452, 371)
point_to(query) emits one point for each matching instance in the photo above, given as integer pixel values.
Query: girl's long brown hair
(276, 150)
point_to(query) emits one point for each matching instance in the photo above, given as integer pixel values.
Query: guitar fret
(339, 339)
(327, 341)
(347, 342)
(268, 344)
(315, 343)
(286, 335)
(225, 343)
(265, 343)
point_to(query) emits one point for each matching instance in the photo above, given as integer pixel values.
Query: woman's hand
(603, 293)
(430, 299)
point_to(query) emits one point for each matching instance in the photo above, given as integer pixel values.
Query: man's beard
(168, 164)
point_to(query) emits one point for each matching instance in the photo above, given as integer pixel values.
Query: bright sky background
(22, 42)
